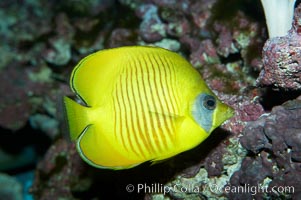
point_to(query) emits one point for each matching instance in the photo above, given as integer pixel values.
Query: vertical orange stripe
(174, 93)
(170, 82)
(163, 86)
(120, 113)
(167, 83)
(115, 116)
(141, 88)
(131, 111)
(126, 131)
(151, 101)
(170, 98)
(136, 100)
(158, 99)
(150, 128)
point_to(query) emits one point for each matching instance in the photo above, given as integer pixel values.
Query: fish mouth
(223, 113)
(230, 112)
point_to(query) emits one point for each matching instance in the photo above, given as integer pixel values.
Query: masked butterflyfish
(139, 104)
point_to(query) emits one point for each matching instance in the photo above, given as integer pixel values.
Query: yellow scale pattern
(145, 103)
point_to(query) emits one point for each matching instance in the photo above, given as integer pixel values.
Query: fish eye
(209, 102)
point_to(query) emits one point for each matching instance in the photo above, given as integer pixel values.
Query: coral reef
(275, 142)
(282, 59)
(260, 145)
(151, 28)
(61, 173)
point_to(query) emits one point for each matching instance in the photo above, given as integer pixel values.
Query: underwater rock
(275, 142)
(46, 124)
(239, 42)
(201, 12)
(20, 149)
(225, 41)
(246, 110)
(179, 28)
(26, 78)
(253, 139)
(208, 180)
(169, 44)
(133, 4)
(227, 60)
(84, 7)
(165, 3)
(20, 28)
(22, 95)
(60, 173)
(190, 43)
(59, 52)
(122, 37)
(152, 29)
(205, 54)
(173, 13)
(282, 59)
(10, 188)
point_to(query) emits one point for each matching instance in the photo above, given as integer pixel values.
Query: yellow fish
(139, 104)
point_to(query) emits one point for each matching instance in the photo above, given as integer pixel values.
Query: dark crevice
(271, 98)
(234, 57)
(21, 143)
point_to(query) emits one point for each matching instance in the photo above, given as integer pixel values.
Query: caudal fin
(77, 117)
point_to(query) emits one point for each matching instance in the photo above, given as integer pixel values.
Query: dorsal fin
(95, 76)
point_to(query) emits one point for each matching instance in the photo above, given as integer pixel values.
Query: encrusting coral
(275, 142)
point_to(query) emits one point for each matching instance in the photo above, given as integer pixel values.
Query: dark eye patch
(209, 102)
